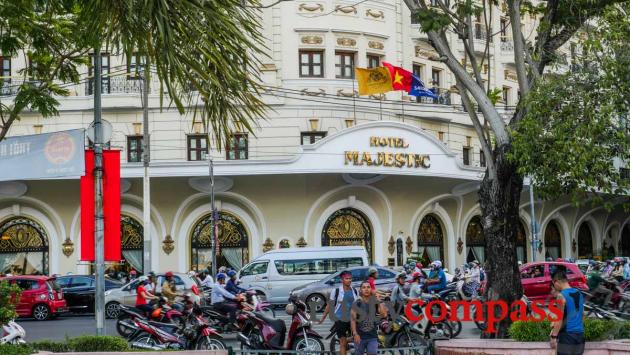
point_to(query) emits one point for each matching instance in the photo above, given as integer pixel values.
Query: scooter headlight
(306, 323)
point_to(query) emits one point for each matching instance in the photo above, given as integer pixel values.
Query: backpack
(354, 292)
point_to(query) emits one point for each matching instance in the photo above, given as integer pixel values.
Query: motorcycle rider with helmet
(143, 296)
(398, 296)
(169, 291)
(220, 299)
(437, 278)
(372, 275)
(231, 285)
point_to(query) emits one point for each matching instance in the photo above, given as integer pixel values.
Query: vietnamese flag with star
(401, 78)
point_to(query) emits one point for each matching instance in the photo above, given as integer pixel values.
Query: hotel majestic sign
(396, 159)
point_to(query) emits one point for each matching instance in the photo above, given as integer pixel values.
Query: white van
(277, 272)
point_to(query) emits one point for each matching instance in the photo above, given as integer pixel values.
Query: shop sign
(387, 158)
(42, 156)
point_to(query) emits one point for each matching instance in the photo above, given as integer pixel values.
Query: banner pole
(354, 103)
(98, 198)
(402, 104)
(146, 182)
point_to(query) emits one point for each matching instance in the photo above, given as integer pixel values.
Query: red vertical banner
(87, 208)
(111, 206)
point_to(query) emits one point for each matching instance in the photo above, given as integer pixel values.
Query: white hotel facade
(301, 178)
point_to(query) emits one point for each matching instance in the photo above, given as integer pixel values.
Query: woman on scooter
(143, 296)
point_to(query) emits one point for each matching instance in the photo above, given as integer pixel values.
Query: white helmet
(192, 273)
(437, 264)
(143, 278)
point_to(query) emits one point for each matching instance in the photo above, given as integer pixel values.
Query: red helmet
(169, 274)
(416, 275)
(419, 265)
(132, 272)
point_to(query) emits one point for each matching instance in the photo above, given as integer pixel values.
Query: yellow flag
(374, 80)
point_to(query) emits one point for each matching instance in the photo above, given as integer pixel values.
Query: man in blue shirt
(340, 305)
(567, 334)
(437, 278)
(231, 284)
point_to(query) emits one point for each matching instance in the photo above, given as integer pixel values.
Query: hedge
(594, 330)
(7, 349)
(85, 343)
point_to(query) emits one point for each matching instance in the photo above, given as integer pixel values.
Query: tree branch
(514, 8)
(485, 143)
(487, 108)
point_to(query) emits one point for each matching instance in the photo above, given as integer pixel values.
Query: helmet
(169, 274)
(143, 279)
(290, 309)
(372, 270)
(231, 273)
(437, 264)
(416, 275)
(151, 274)
(419, 265)
(402, 275)
(221, 276)
(132, 272)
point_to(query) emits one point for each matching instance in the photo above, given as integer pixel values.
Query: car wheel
(317, 300)
(41, 312)
(112, 310)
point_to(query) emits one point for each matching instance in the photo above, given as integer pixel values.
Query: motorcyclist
(399, 297)
(143, 296)
(169, 291)
(596, 284)
(220, 299)
(437, 279)
(372, 275)
(231, 285)
(417, 288)
(152, 285)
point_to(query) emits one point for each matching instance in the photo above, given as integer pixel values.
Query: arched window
(624, 241)
(585, 242)
(132, 244)
(553, 241)
(521, 243)
(23, 247)
(348, 226)
(430, 240)
(475, 241)
(233, 243)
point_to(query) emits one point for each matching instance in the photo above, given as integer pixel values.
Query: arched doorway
(553, 241)
(521, 243)
(475, 241)
(131, 244)
(585, 242)
(430, 240)
(348, 226)
(233, 243)
(624, 241)
(23, 247)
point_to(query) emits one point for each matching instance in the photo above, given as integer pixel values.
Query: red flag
(401, 78)
(111, 206)
(87, 208)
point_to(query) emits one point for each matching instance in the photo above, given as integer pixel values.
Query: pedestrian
(342, 299)
(364, 323)
(567, 332)
(475, 279)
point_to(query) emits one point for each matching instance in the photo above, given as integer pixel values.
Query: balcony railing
(116, 85)
(444, 97)
(507, 46)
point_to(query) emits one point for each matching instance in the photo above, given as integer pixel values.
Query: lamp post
(214, 212)
(534, 224)
(98, 198)
(146, 182)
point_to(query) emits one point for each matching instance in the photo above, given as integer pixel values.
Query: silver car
(319, 291)
(126, 295)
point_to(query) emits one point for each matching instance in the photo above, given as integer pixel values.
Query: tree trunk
(499, 200)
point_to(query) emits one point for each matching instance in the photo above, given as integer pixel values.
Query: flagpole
(354, 104)
(402, 104)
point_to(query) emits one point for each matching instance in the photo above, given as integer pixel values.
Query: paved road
(76, 325)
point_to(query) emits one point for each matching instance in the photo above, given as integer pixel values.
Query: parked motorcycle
(193, 334)
(259, 332)
(13, 333)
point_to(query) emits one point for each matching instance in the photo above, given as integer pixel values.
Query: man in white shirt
(220, 296)
(206, 279)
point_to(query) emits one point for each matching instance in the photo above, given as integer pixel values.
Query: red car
(536, 278)
(41, 298)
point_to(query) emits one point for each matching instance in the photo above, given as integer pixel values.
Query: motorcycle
(193, 334)
(13, 333)
(162, 313)
(432, 330)
(251, 303)
(259, 332)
